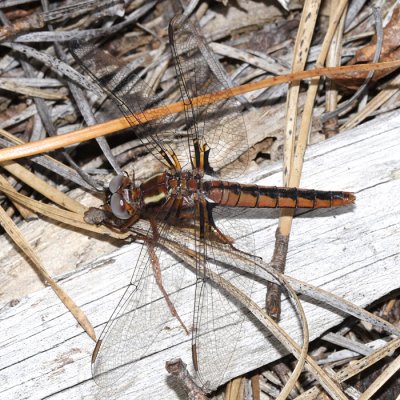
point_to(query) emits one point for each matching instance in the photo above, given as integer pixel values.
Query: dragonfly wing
(218, 317)
(128, 92)
(140, 317)
(220, 124)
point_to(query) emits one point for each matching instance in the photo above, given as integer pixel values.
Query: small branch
(278, 262)
(177, 368)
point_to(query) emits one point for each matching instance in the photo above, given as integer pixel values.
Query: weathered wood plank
(353, 253)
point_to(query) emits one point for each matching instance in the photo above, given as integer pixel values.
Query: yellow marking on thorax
(154, 199)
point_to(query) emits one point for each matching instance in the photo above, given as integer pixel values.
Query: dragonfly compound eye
(118, 206)
(116, 183)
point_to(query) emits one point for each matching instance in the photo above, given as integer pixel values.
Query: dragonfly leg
(222, 237)
(207, 223)
(157, 274)
(174, 207)
(212, 226)
(129, 222)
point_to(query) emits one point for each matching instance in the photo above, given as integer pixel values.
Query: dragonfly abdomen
(233, 194)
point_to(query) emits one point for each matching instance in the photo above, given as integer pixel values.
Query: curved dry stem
(300, 353)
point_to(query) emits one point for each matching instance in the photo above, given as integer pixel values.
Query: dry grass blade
(360, 365)
(268, 65)
(361, 89)
(30, 91)
(119, 124)
(294, 152)
(342, 305)
(49, 163)
(66, 217)
(295, 172)
(85, 34)
(25, 212)
(381, 98)
(255, 387)
(333, 59)
(42, 187)
(355, 367)
(347, 343)
(302, 46)
(235, 389)
(14, 233)
(52, 62)
(392, 369)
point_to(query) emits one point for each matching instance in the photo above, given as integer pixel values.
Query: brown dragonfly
(188, 196)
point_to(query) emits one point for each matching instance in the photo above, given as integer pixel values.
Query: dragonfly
(196, 195)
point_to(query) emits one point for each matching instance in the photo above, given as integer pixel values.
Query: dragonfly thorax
(183, 183)
(168, 185)
(128, 199)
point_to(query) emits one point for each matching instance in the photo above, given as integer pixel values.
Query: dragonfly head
(120, 199)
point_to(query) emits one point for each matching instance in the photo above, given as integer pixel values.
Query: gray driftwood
(352, 252)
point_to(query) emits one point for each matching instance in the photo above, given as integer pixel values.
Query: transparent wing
(128, 92)
(218, 320)
(141, 315)
(220, 124)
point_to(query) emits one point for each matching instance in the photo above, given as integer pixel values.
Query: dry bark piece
(177, 368)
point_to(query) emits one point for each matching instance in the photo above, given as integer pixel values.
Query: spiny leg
(157, 274)
(212, 226)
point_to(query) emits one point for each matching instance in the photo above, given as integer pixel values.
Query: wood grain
(352, 252)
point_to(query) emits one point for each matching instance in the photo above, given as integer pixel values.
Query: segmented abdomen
(233, 194)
